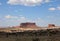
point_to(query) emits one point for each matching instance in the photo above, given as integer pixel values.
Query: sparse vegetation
(40, 35)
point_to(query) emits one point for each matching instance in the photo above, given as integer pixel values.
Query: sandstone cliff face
(51, 25)
(31, 25)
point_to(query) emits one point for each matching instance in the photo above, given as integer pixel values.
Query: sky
(42, 12)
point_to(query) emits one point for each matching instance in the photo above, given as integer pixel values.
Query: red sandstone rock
(28, 24)
(51, 25)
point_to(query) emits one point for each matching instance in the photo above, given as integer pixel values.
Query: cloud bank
(27, 2)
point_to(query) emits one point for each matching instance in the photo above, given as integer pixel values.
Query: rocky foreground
(36, 34)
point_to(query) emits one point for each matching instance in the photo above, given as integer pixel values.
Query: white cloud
(22, 18)
(52, 8)
(15, 18)
(26, 2)
(9, 16)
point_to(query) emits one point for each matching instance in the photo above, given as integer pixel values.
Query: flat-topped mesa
(28, 24)
(51, 25)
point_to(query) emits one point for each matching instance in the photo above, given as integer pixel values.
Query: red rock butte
(51, 25)
(28, 24)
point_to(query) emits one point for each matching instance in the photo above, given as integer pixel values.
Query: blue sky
(42, 12)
